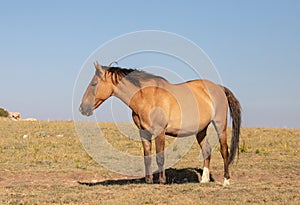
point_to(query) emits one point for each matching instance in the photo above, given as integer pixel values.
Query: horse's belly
(182, 131)
(179, 132)
(187, 127)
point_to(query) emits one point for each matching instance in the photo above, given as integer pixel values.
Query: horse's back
(195, 105)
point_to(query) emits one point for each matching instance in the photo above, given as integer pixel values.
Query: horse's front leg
(160, 157)
(146, 141)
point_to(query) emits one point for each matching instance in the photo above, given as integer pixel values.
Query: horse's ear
(99, 68)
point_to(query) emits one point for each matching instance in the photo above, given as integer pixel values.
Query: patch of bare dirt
(49, 178)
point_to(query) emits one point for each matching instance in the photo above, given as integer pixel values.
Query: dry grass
(42, 162)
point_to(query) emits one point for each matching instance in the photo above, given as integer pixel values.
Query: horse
(160, 108)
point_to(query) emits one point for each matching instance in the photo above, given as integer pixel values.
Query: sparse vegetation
(42, 162)
(3, 113)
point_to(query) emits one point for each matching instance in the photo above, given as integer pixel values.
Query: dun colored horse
(160, 108)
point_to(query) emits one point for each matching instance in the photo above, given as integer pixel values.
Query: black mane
(133, 75)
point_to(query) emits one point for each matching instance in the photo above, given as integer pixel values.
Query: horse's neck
(132, 96)
(125, 91)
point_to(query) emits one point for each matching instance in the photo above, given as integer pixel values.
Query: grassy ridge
(42, 162)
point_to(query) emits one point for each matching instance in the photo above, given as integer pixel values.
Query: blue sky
(255, 46)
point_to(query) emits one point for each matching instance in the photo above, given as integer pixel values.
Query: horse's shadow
(174, 176)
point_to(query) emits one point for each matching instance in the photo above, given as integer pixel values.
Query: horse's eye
(93, 84)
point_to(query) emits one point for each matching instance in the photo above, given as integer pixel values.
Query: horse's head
(99, 89)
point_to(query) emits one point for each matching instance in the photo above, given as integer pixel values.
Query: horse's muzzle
(86, 110)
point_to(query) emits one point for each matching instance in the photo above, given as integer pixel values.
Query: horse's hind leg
(225, 155)
(206, 152)
(221, 130)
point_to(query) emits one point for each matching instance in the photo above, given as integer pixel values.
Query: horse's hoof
(204, 181)
(162, 181)
(226, 182)
(149, 180)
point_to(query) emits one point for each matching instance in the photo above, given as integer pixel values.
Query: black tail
(235, 113)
